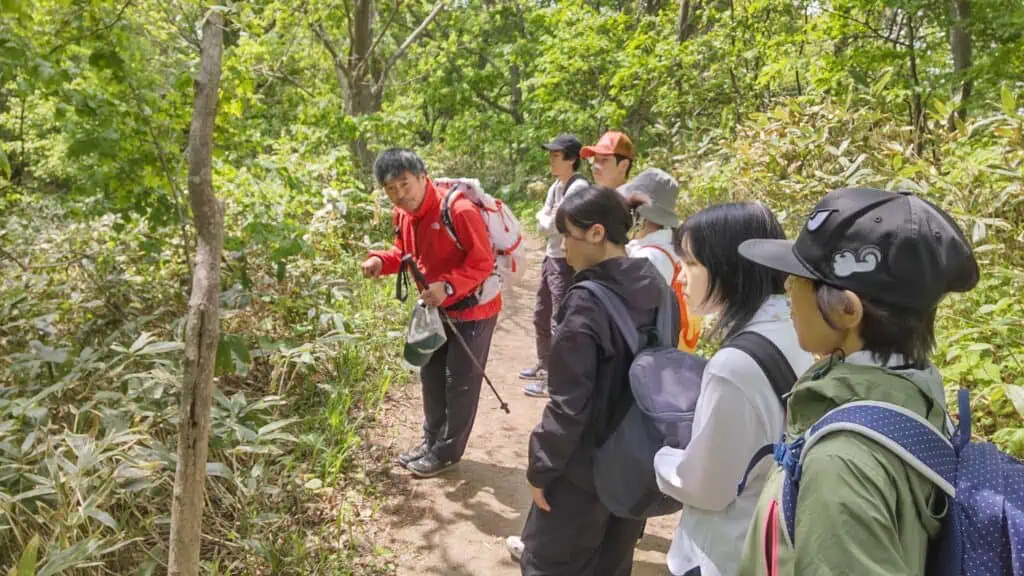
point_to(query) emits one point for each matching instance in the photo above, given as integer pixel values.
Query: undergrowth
(91, 321)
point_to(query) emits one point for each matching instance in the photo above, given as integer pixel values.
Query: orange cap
(611, 143)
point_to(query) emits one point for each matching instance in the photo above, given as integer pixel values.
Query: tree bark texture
(960, 45)
(362, 73)
(202, 329)
(684, 22)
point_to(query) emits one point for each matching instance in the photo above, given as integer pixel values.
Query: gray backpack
(665, 384)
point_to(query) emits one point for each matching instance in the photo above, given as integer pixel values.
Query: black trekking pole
(421, 281)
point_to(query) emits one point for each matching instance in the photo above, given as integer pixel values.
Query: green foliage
(768, 99)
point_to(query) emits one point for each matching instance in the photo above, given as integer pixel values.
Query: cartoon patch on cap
(818, 218)
(846, 262)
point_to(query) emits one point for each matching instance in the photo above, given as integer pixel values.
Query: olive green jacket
(860, 511)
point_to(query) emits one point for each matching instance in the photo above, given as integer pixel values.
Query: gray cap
(662, 189)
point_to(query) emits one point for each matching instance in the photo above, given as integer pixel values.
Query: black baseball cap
(890, 247)
(564, 143)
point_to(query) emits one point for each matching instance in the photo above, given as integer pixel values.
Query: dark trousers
(555, 279)
(578, 537)
(451, 388)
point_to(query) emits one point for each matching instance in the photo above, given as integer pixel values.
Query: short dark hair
(618, 160)
(596, 205)
(712, 237)
(394, 162)
(887, 330)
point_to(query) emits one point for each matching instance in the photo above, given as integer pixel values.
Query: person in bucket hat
(655, 239)
(866, 275)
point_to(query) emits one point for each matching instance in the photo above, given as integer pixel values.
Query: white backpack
(502, 227)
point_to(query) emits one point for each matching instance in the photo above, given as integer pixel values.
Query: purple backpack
(665, 384)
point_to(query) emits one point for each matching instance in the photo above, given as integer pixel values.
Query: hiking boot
(515, 547)
(536, 389)
(414, 453)
(538, 372)
(429, 466)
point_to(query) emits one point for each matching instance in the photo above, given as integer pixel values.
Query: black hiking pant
(451, 388)
(578, 537)
(555, 279)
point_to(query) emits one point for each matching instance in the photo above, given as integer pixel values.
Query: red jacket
(424, 236)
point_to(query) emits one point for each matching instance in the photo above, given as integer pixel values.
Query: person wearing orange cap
(611, 159)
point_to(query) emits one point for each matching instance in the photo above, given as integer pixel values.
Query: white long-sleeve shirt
(546, 216)
(737, 413)
(644, 248)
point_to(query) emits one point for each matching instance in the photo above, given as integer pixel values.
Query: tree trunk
(684, 24)
(916, 103)
(960, 45)
(361, 75)
(202, 328)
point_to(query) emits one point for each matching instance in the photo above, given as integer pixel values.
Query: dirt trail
(456, 524)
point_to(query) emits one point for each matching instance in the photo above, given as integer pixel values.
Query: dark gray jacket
(588, 371)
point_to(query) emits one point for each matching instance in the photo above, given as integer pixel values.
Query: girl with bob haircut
(568, 531)
(737, 410)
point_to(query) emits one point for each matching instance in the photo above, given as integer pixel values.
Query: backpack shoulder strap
(617, 310)
(904, 433)
(769, 358)
(572, 180)
(446, 214)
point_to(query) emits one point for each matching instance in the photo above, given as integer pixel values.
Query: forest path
(456, 524)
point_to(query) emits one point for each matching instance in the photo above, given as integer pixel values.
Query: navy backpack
(983, 530)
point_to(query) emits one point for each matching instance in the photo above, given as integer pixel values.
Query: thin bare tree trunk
(916, 102)
(202, 329)
(960, 45)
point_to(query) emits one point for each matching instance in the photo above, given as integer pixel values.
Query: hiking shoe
(414, 453)
(538, 372)
(515, 547)
(536, 389)
(429, 466)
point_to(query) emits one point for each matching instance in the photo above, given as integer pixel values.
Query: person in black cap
(556, 275)
(866, 275)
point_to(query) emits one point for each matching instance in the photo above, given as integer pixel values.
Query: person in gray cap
(654, 240)
(556, 274)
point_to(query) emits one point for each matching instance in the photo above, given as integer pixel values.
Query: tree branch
(11, 257)
(405, 46)
(373, 45)
(878, 33)
(104, 28)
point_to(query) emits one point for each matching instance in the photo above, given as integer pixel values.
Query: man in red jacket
(454, 273)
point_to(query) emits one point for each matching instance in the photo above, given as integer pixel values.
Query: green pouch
(424, 336)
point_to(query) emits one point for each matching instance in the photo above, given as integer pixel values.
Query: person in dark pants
(568, 530)
(556, 275)
(454, 272)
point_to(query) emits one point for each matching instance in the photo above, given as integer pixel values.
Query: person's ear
(595, 234)
(849, 315)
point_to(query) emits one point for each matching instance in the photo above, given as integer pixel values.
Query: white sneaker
(515, 547)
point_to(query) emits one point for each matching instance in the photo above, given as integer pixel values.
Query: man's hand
(372, 266)
(539, 499)
(434, 295)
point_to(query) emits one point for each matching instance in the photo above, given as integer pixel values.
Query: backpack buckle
(788, 457)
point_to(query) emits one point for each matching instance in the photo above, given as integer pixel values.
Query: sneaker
(414, 453)
(515, 547)
(536, 389)
(429, 466)
(537, 372)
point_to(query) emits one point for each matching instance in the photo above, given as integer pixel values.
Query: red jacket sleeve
(479, 262)
(392, 258)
